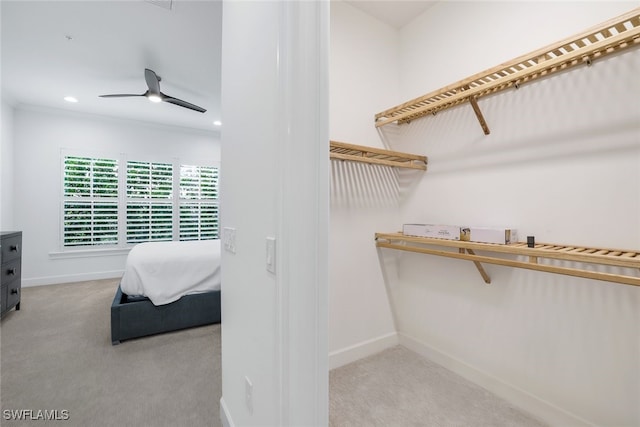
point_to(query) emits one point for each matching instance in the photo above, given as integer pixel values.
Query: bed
(167, 286)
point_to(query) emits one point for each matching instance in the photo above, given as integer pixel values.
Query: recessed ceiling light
(217, 123)
(70, 99)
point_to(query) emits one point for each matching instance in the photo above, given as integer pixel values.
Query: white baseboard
(70, 278)
(534, 405)
(363, 349)
(225, 416)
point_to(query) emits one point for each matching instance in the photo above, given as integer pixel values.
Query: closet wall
(562, 163)
(364, 65)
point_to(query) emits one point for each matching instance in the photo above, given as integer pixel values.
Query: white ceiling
(396, 13)
(52, 49)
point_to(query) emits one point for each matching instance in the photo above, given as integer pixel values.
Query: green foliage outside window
(92, 195)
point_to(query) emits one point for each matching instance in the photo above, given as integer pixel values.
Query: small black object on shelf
(531, 241)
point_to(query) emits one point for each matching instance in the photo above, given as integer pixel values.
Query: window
(146, 202)
(198, 202)
(90, 212)
(149, 201)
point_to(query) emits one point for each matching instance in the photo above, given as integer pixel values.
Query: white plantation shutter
(198, 202)
(90, 201)
(149, 201)
(97, 199)
(198, 221)
(149, 221)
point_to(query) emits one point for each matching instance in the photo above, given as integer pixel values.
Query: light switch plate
(229, 239)
(271, 254)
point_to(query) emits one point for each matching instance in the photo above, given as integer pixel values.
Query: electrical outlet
(248, 394)
(229, 239)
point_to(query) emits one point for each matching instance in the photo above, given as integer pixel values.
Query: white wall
(364, 198)
(562, 163)
(6, 168)
(449, 42)
(274, 183)
(40, 135)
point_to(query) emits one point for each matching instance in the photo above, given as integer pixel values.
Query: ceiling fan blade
(181, 103)
(120, 95)
(154, 94)
(153, 82)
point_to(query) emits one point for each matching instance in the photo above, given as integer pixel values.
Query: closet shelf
(592, 257)
(608, 37)
(376, 156)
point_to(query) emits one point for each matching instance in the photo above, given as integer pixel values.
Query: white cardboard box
(438, 231)
(503, 236)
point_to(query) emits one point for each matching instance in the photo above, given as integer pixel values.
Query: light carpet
(398, 387)
(56, 354)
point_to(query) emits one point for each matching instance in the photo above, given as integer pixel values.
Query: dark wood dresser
(11, 261)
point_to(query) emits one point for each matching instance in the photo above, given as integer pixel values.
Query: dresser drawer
(13, 293)
(11, 272)
(11, 248)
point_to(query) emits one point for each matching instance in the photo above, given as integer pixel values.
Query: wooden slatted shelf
(580, 254)
(611, 36)
(376, 156)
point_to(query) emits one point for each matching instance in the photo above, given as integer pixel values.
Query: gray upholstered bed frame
(133, 317)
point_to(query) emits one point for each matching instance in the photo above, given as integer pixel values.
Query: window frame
(122, 200)
(149, 201)
(64, 199)
(200, 200)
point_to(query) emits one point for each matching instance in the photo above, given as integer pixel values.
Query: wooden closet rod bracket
(479, 116)
(479, 266)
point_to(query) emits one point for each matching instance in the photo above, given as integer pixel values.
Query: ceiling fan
(154, 95)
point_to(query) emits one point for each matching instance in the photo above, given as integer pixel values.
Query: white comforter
(165, 271)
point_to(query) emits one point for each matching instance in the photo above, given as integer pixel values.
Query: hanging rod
(376, 156)
(608, 37)
(574, 253)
